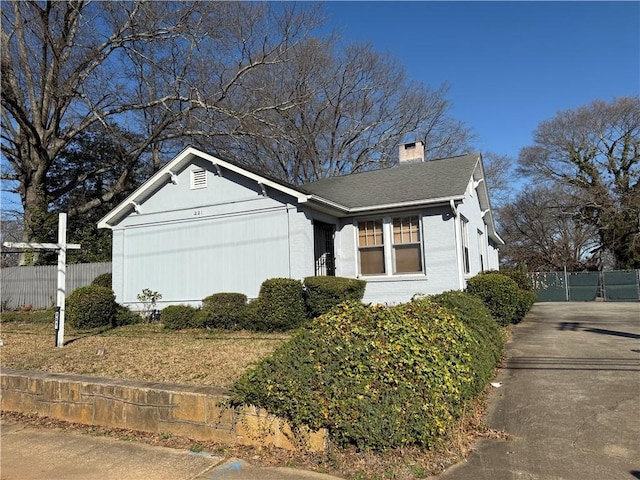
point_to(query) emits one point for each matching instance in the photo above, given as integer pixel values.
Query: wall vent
(198, 179)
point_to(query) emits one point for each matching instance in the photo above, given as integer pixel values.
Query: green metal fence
(610, 286)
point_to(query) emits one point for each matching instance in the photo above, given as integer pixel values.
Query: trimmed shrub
(526, 293)
(487, 339)
(104, 280)
(375, 377)
(252, 315)
(498, 292)
(223, 310)
(90, 307)
(178, 317)
(124, 316)
(519, 276)
(280, 305)
(324, 293)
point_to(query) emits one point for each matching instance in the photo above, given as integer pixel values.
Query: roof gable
(169, 173)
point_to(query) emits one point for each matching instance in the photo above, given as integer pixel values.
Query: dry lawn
(138, 352)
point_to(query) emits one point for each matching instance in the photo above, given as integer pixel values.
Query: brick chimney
(411, 152)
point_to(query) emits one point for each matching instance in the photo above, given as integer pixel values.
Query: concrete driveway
(570, 398)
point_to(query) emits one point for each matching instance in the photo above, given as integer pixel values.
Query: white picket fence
(36, 286)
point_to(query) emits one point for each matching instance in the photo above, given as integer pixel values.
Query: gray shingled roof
(408, 182)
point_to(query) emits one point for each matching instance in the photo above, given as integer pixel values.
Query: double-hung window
(406, 245)
(464, 237)
(371, 247)
(390, 246)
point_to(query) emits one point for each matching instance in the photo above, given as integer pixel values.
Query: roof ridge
(395, 165)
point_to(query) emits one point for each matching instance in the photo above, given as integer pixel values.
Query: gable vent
(198, 179)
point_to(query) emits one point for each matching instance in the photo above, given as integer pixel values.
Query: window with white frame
(390, 245)
(371, 247)
(481, 249)
(464, 237)
(406, 245)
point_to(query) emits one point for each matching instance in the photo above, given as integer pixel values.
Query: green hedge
(324, 293)
(498, 292)
(526, 292)
(223, 310)
(280, 305)
(178, 317)
(375, 377)
(104, 280)
(90, 307)
(487, 338)
(124, 316)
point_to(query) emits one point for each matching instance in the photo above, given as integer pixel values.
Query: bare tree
(595, 150)
(500, 177)
(148, 68)
(350, 108)
(545, 232)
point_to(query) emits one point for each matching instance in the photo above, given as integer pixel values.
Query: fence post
(566, 284)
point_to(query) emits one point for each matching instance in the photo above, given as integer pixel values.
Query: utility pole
(61, 247)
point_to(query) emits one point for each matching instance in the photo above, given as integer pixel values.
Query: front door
(324, 252)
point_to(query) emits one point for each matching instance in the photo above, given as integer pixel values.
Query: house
(203, 225)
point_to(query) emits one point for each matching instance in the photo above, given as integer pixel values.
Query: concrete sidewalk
(570, 398)
(29, 453)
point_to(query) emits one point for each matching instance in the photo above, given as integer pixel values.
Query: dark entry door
(324, 252)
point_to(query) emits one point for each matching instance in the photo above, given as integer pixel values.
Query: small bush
(324, 293)
(223, 310)
(178, 317)
(526, 299)
(498, 292)
(252, 315)
(521, 277)
(280, 305)
(526, 293)
(375, 377)
(124, 316)
(103, 280)
(487, 339)
(90, 307)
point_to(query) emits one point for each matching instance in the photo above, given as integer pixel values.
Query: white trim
(190, 153)
(388, 248)
(457, 234)
(183, 158)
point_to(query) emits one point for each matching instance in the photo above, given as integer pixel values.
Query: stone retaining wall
(185, 410)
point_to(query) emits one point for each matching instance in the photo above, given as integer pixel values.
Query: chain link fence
(609, 286)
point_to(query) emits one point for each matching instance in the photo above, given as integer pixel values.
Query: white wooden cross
(61, 247)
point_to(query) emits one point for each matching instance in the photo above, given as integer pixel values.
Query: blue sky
(510, 65)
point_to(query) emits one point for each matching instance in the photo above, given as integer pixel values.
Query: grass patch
(138, 352)
(34, 316)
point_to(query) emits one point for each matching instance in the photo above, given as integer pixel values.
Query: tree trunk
(37, 220)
